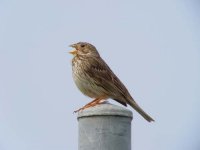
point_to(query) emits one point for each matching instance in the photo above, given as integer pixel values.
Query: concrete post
(105, 127)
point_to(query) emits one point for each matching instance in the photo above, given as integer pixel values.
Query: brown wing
(103, 76)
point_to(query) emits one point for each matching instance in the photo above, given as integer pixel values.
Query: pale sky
(152, 46)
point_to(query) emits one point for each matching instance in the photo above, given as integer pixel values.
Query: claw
(95, 102)
(81, 109)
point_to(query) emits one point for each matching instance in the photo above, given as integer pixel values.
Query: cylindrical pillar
(105, 127)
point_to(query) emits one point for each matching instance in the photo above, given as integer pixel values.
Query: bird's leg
(82, 108)
(97, 102)
(91, 104)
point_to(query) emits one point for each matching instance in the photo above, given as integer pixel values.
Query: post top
(105, 109)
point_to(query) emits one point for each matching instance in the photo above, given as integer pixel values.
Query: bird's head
(84, 49)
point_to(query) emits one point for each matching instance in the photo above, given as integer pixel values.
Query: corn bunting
(95, 79)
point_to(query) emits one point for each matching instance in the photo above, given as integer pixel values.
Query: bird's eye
(82, 45)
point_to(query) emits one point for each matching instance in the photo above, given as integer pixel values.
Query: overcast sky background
(152, 46)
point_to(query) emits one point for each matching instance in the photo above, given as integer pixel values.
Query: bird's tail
(133, 104)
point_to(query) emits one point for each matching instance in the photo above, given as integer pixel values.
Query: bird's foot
(81, 109)
(95, 102)
(87, 106)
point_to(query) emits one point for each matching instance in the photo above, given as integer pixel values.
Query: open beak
(74, 51)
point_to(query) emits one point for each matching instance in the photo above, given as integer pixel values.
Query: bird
(95, 79)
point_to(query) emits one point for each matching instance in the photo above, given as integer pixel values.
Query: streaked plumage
(95, 79)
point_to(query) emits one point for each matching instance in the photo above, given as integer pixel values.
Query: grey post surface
(105, 127)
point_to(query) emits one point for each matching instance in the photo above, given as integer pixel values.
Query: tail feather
(133, 104)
